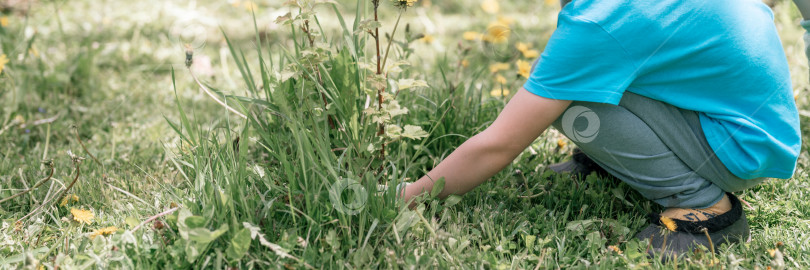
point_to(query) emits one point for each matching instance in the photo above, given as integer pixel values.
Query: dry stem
(214, 97)
(41, 182)
(155, 217)
(77, 162)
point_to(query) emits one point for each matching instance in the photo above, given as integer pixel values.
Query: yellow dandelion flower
(551, 2)
(251, 6)
(506, 20)
(3, 62)
(404, 3)
(33, 51)
(772, 252)
(531, 54)
(497, 32)
(615, 249)
(469, 35)
(19, 119)
(4, 21)
(427, 39)
(500, 79)
(669, 223)
(561, 143)
(524, 68)
(499, 92)
(82, 216)
(465, 63)
(104, 231)
(522, 47)
(494, 68)
(491, 6)
(68, 199)
(526, 49)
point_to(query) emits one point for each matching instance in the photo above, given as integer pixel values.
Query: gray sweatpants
(654, 147)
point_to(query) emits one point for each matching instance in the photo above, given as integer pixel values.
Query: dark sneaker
(579, 166)
(728, 228)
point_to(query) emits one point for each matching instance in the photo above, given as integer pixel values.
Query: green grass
(255, 193)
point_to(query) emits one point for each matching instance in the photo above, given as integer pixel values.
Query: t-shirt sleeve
(582, 62)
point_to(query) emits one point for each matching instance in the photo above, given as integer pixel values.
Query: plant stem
(155, 217)
(381, 127)
(103, 171)
(391, 41)
(75, 161)
(210, 95)
(50, 165)
(711, 243)
(78, 171)
(317, 71)
(47, 143)
(79, 139)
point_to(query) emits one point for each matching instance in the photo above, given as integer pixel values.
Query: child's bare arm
(804, 8)
(524, 118)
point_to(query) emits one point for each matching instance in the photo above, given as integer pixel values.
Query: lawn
(250, 134)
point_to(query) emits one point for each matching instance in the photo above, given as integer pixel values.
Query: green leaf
(195, 222)
(619, 194)
(240, 244)
(414, 132)
(452, 200)
(634, 251)
(394, 67)
(595, 240)
(394, 109)
(367, 25)
(193, 250)
(403, 84)
(393, 131)
(580, 227)
(204, 236)
(98, 244)
(437, 188)
(362, 256)
(20, 257)
(616, 227)
(376, 81)
(132, 221)
(405, 221)
(529, 240)
(332, 239)
(182, 228)
(286, 19)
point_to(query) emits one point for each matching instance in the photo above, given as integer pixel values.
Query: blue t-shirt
(721, 58)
